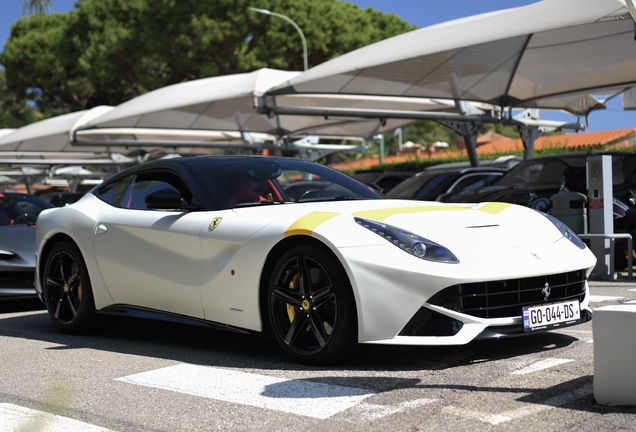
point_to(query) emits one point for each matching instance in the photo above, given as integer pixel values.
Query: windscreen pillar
(600, 198)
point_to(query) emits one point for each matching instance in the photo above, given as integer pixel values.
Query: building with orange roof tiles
(567, 142)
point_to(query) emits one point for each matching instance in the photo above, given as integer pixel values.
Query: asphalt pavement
(138, 375)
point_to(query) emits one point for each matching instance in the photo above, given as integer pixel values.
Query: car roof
(502, 161)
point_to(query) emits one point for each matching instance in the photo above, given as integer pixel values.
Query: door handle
(101, 229)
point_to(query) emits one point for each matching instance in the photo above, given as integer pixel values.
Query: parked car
(428, 185)
(217, 241)
(386, 180)
(60, 199)
(534, 181)
(18, 213)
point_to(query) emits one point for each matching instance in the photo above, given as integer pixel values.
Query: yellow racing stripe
(494, 207)
(381, 214)
(308, 223)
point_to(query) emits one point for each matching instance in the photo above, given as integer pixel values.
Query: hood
(489, 225)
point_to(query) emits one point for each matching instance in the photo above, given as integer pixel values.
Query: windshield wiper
(259, 203)
(329, 198)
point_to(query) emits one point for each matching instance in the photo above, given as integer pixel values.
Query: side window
(619, 170)
(114, 193)
(470, 181)
(493, 178)
(146, 183)
(552, 172)
(474, 181)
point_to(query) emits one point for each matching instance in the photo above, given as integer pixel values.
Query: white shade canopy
(222, 103)
(226, 103)
(50, 135)
(50, 139)
(552, 54)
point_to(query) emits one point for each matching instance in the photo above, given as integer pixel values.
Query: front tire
(311, 306)
(67, 289)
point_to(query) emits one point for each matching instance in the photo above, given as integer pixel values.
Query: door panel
(152, 259)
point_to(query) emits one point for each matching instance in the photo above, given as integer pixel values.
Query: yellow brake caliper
(291, 310)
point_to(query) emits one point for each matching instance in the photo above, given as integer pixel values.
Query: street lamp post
(302, 36)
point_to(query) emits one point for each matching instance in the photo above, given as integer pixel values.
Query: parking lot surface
(135, 375)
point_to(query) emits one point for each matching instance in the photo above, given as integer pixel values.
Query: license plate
(551, 315)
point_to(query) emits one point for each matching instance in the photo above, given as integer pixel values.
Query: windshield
(20, 209)
(238, 182)
(548, 170)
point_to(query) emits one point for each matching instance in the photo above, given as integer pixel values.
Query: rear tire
(67, 289)
(311, 306)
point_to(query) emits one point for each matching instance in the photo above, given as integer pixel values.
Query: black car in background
(61, 199)
(445, 178)
(386, 180)
(428, 185)
(534, 181)
(18, 213)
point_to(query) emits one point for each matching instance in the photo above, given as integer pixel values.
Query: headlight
(567, 232)
(409, 242)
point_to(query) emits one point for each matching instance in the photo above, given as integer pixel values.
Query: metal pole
(380, 138)
(302, 36)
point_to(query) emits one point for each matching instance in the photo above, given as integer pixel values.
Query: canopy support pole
(470, 132)
(529, 135)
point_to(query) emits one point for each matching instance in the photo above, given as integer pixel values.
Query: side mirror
(374, 187)
(168, 199)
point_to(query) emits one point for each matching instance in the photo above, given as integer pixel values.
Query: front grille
(17, 280)
(506, 298)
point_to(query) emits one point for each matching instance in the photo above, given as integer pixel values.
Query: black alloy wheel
(67, 289)
(311, 306)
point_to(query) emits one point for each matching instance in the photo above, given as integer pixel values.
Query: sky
(422, 13)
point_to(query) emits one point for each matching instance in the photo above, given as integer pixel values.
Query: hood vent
(483, 226)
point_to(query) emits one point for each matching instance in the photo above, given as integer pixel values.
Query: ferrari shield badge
(215, 223)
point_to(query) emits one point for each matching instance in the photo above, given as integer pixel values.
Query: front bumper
(392, 288)
(17, 284)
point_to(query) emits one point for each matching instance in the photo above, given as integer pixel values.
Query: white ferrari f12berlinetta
(297, 250)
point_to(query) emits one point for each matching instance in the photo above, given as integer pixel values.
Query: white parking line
(599, 298)
(14, 418)
(370, 412)
(300, 397)
(543, 364)
(495, 419)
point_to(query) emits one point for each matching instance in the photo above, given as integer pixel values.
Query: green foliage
(428, 132)
(40, 64)
(37, 7)
(507, 131)
(109, 51)
(419, 164)
(14, 111)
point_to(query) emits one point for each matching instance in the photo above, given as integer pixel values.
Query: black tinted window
(548, 170)
(19, 209)
(131, 191)
(234, 182)
(113, 192)
(146, 183)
